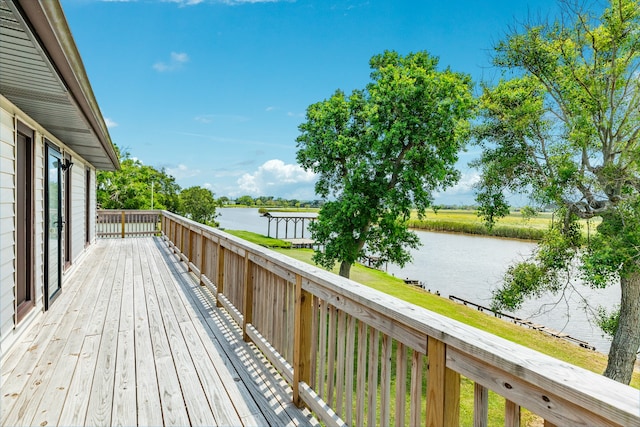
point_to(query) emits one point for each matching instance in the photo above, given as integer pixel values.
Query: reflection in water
(470, 267)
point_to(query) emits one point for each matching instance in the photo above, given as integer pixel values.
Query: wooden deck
(134, 340)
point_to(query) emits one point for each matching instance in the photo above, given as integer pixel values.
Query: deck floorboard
(134, 340)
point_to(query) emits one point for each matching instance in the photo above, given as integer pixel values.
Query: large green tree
(381, 151)
(198, 204)
(565, 128)
(135, 185)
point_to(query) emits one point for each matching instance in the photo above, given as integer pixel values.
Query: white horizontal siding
(6, 310)
(77, 208)
(38, 270)
(92, 205)
(7, 223)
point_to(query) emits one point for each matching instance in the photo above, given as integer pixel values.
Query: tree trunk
(345, 269)
(626, 340)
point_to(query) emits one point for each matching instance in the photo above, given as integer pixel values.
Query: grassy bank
(513, 226)
(259, 239)
(298, 210)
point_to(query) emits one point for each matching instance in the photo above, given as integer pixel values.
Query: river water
(470, 267)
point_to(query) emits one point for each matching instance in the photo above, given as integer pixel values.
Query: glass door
(53, 213)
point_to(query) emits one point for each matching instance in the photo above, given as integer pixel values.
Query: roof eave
(50, 26)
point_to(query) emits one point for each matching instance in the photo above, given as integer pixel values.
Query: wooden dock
(134, 340)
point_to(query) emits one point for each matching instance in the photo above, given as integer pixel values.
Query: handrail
(127, 223)
(342, 345)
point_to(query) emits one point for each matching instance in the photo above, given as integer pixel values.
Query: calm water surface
(470, 267)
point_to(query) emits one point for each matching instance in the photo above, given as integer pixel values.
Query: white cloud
(110, 123)
(462, 193)
(465, 185)
(175, 63)
(182, 171)
(277, 178)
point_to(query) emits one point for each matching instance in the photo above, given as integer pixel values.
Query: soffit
(35, 82)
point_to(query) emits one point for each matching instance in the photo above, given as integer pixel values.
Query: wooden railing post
(122, 223)
(247, 313)
(190, 257)
(443, 388)
(203, 248)
(172, 226)
(301, 340)
(220, 275)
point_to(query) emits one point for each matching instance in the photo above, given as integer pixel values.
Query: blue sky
(214, 90)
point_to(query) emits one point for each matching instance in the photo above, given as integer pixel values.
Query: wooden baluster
(302, 340)
(189, 248)
(314, 340)
(480, 406)
(203, 248)
(220, 275)
(373, 376)
(385, 381)
(361, 372)
(443, 387)
(349, 371)
(341, 364)
(511, 414)
(415, 419)
(401, 383)
(247, 313)
(323, 351)
(122, 223)
(331, 356)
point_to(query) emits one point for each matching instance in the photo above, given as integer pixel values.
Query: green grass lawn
(259, 239)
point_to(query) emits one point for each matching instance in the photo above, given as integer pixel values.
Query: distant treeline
(268, 202)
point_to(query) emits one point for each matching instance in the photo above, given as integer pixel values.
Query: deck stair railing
(356, 356)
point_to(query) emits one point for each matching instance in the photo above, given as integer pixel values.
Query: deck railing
(127, 223)
(347, 350)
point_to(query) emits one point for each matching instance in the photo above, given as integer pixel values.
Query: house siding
(7, 221)
(9, 114)
(77, 207)
(92, 207)
(39, 225)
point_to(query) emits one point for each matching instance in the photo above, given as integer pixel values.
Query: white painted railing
(346, 348)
